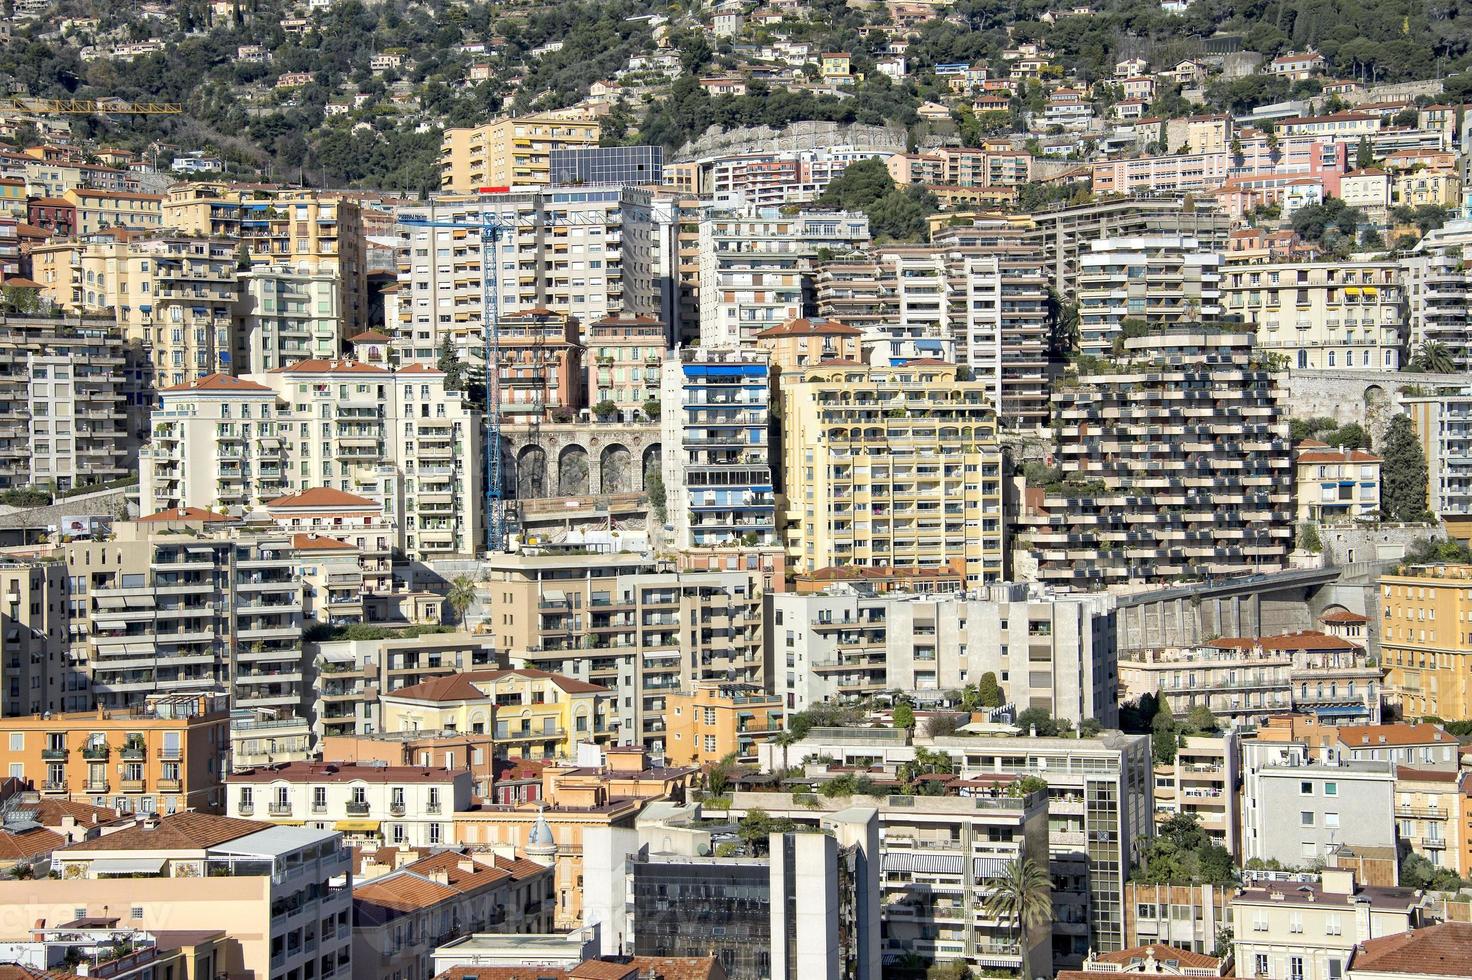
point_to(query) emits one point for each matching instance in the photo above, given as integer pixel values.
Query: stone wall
(1371, 398)
(579, 459)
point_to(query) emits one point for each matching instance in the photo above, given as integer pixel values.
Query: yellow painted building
(530, 714)
(716, 720)
(511, 152)
(1426, 640)
(97, 210)
(891, 466)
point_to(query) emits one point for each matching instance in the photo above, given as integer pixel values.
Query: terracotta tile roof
(318, 365)
(317, 542)
(49, 812)
(1370, 736)
(196, 514)
(220, 383)
(187, 831)
(1444, 949)
(603, 970)
(368, 337)
(18, 971)
(29, 843)
(803, 327)
(1343, 616)
(461, 687)
(417, 886)
(419, 369)
(341, 772)
(322, 497)
(1338, 456)
(20, 282)
(1161, 952)
(519, 868)
(1304, 640)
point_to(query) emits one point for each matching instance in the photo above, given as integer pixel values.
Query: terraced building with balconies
(1176, 464)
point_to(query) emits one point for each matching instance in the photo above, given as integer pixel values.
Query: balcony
(279, 809)
(134, 752)
(357, 808)
(132, 785)
(170, 786)
(95, 753)
(54, 755)
(95, 785)
(57, 786)
(396, 809)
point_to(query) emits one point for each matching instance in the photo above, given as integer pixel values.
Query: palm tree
(1023, 895)
(785, 739)
(1433, 357)
(461, 596)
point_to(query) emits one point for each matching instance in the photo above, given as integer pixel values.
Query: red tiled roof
(1343, 616)
(461, 686)
(1161, 952)
(186, 831)
(663, 967)
(803, 327)
(368, 337)
(1338, 456)
(1444, 949)
(341, 772)
(183, 514)
(1372, 736)
(319, 365)
(318, 542)
(219, 383)
(1304, 640)
(322, 497)
(29, 844)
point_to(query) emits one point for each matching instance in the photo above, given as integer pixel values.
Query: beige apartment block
(892, 466)
(1205, 782)
(511, 152)
(1321, 315)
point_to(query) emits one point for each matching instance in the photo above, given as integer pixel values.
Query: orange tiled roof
(318, 542)
(1444, 949)
(219, 383)
(186, 831)
(803, 327)
(320, 365)
(1338, 456)
(1304, 640)
(1370, 736)
(322, 497)
(183, 514)
(29, 843)
(1343, 616)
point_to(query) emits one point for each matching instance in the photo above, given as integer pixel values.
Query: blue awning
(1342, 709)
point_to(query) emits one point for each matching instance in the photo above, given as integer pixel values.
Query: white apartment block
(393, 436)
(285, 315)
(1296, 810)
(1051, 651)
(1322, 315)
(1439, 294)
(587, 252)
(1158, 279)
(1444, 423)
(756, 265)
(401, 806)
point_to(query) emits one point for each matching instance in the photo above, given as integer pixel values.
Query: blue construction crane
(490, 237)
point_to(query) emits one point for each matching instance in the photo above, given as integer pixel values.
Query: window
(1331, 789)
(1336, 969)
(434, 833)
(1306, 818)
(319, 797)
(1305, 789)
(1332, 925)
(1295, 921)
(1260, 964)
(1295, 968)
(1331, 821)
(1144, 911)
(136, 912)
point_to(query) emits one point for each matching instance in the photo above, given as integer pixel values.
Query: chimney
(440, 875)
(468, 866)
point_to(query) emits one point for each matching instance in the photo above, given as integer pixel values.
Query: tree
(1037, 719)
(461, 596)
(785, 740)
(1164, 738)
(989, 691)
(605, 409)
(718, 776)
(1351, 435)
(1433, 357)
(1201, 719)
(449, 363)
(1089, 727)
(756, 826)
(1022, 895)
(904, 715)
(943, 724)
(1308, 538)
(654, 490)
(1364, 154)
(1403, 473)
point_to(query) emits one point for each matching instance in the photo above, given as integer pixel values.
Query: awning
(357, 826)
(554, 595)
(1341, 709)
(128, 866)
(289, 823)
(927, 863)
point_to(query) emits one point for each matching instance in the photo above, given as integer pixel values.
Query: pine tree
(1403, 474)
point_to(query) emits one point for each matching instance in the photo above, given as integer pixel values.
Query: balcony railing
(357, 808)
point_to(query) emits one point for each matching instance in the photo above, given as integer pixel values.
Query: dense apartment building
(935, 857)
(891, 466)
(587, 252)
(63, 392)
(284, 315)
(167, 606)
(716, 719)
(621, 621)
(1066, 234)
(1430, 815)
(1099, 810)
(1321, 315)
(1157, 486)
(1296, 808)
(1190, 917)
(1205, 782)
(756, 267)
(715, 452)
(978, 297)
(769, 177)
(1252, 678)
(173, 294)
(1161, 281)
(529, 714)
(1048, 651)
(37, 677)
(512, 152)
(361, 434)
(540, 370)
(97, 210)
(277, 891)
(1423, 647)
(953, 166)
(1443, 422)
(166, 756)
(1438, 289)
(624, 361)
